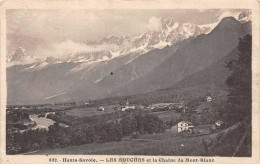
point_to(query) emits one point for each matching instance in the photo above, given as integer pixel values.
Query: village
(120, 123)
(182, 126)
(24, 118)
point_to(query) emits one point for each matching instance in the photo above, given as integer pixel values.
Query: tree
(82, 134)
(149, 123)
(128, 125)
(12, 144)
(114, 131)
(153, 124)
(102, 136)
(239, 83)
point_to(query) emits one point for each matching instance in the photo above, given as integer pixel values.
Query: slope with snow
(140, 64)
(170, 33)
(20, 56)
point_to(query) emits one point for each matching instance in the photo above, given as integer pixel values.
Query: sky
(40, 30)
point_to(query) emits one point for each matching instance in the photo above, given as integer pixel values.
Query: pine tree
(240, 83)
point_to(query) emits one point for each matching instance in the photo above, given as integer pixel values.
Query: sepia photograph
(127, 82)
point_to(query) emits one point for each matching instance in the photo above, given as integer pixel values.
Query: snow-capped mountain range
(20, 56)
(170, 33)
(151, 61)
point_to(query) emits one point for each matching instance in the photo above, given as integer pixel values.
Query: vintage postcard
(120, 81)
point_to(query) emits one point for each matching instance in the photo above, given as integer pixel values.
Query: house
(209, 98)
(218, 123)
(127, 108)
(184, 126)
(100, 108)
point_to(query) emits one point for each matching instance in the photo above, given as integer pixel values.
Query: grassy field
(168, 115)
(168, 144)
(90, 111)
(157, 144)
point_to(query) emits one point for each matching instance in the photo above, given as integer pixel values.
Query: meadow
(153, 144)
(167, 144)
(90, 111)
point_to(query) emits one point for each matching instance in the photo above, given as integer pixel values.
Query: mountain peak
(20, 56)
(227, 23)
(228, 20)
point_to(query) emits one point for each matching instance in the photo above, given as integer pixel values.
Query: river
(42, 122)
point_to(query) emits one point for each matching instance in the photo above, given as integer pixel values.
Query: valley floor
(168, 144)
(156, 144)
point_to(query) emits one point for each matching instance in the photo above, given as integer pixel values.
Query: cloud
(228, 14)
(41, 30)
(154, 24)
(24, 61)
(66, 48)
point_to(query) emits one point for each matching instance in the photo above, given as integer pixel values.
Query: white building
(184, 126)
(101, 108)
(219, 123)
(209, 98)
(127, 107)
